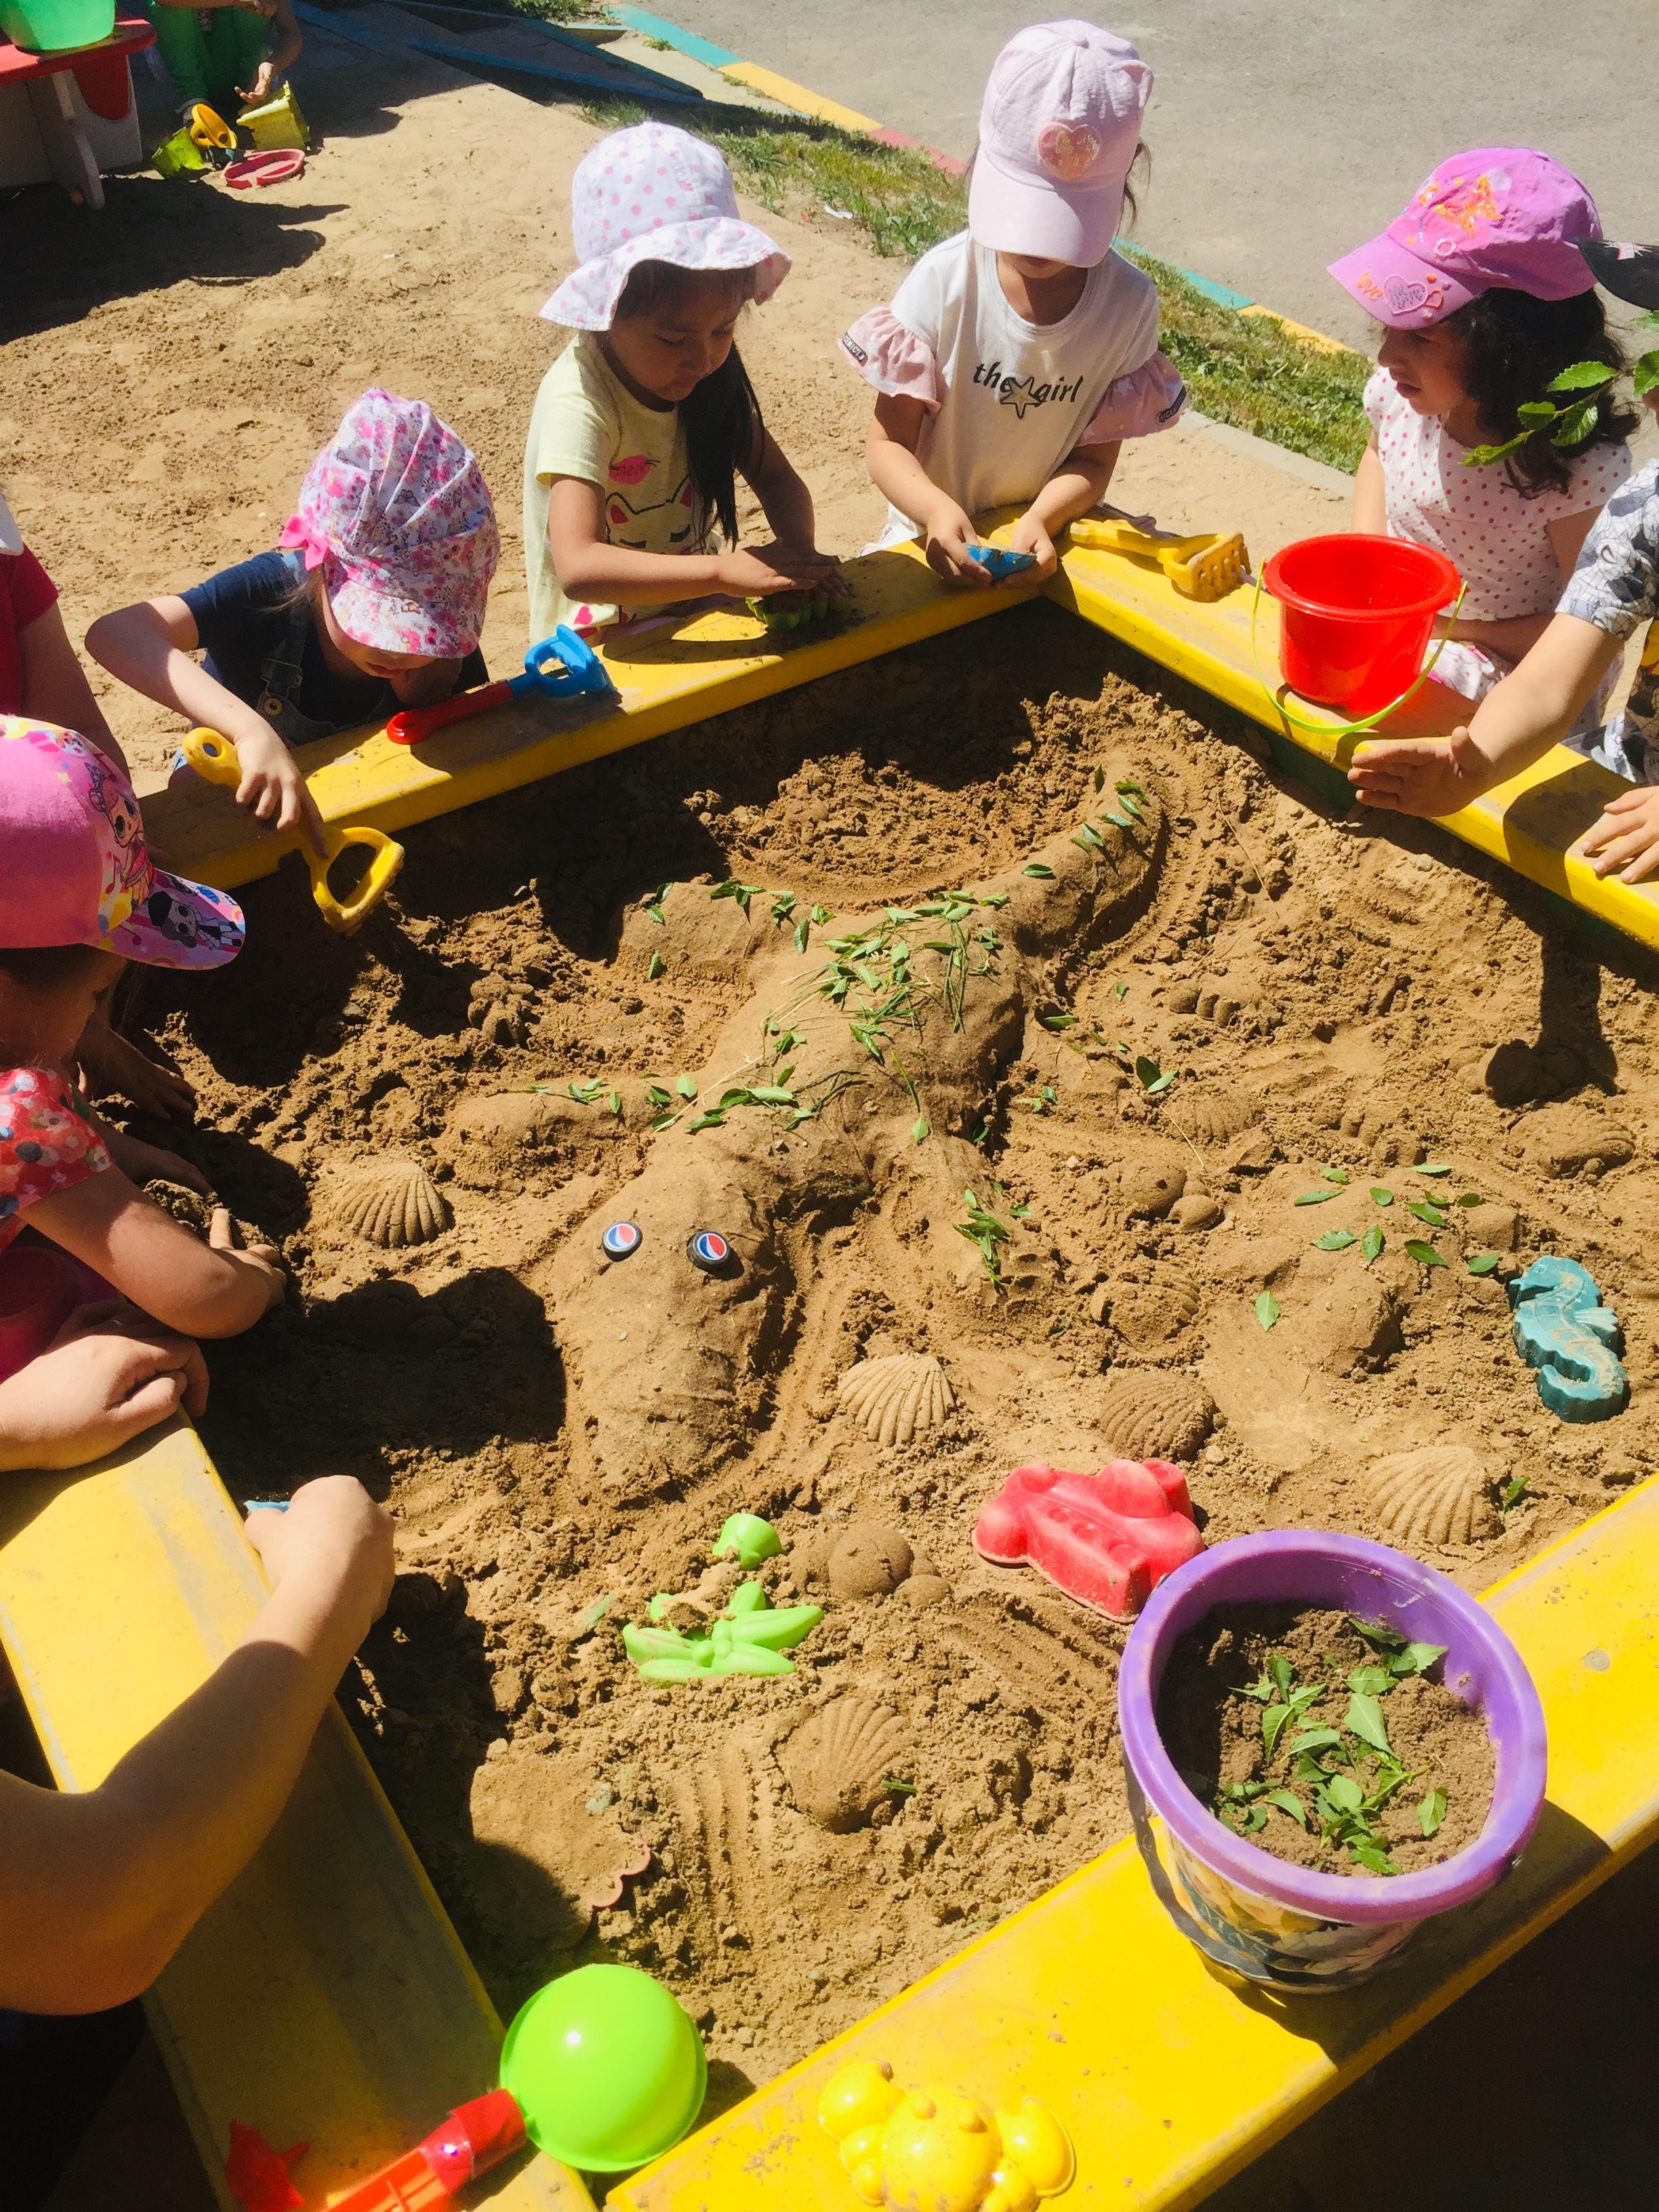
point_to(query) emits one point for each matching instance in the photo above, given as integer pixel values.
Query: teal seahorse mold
(1563, 1329)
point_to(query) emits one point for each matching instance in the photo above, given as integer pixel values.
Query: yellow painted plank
(788, 94)
(324, 1997)
(1528, 823)
(1170, 2077)
(691, 667)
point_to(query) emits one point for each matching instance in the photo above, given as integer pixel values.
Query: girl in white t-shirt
(1017, 355)
(645, 421)
(1486, 299)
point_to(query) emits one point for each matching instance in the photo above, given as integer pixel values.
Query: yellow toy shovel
(1203, 567)
(214, 757)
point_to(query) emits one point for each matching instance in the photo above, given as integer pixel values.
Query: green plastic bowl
(607, 2068)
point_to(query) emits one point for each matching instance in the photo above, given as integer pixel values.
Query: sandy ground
(1343, 1005)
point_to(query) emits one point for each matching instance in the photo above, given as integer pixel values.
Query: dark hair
(722, 417)
(45, 967)
(1517, 344)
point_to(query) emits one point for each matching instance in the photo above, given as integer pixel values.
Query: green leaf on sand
(1482, 1263)
(1314, 1197)
(1380, 1197)
(1267, 1309)
(1335, 1240)
(1364, 1720)
(1431, 1812)
(1371, 1243)
(1425, 1254)
(1036, 868)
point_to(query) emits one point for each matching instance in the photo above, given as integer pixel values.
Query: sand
(560, 1440)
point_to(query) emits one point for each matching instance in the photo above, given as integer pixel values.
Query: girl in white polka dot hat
(1485, 298)
(645, 420)
(1017, 355)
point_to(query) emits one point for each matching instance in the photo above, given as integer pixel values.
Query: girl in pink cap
(374, 600)
(1017, 356)
(1484, 298)
(644, 423)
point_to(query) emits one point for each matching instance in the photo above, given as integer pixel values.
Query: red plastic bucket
(1356, 614)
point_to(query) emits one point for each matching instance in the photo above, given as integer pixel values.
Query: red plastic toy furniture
(34, 89)
(1107, 1540)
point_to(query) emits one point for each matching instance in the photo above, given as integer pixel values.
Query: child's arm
(107, 1375)
(1081, 483)
(99, 1887)
(1370, 505)
(1518, 720)
(282, 56)
(55, 686)
(889, 452)
(200, 1290)
(589, 567)
(787, 506)
(148, 646)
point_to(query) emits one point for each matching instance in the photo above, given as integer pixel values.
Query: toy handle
(212, 757)
(565, 664)
(347, 915)
(413, 723)
(476, 2136)
(1103, 536)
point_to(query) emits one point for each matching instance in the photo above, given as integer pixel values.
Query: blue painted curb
(685, 42)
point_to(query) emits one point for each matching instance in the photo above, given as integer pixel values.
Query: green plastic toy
(791, 610)
(749, 1638)
(747, 1539)
(606, 2067)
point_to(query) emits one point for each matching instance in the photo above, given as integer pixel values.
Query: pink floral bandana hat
(655, 194)
(77, 870)
(396, 514)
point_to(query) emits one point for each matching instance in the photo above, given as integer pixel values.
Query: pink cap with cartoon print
(77, 869)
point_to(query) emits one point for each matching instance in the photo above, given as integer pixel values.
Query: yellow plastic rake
(1207, 567)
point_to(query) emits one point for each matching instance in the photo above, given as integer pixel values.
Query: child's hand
(1031, 535)
(1421, 776)
(755, 573)
(112, 1062)
(334, 1542)
(140, 1164)
(1627, 838)
(948, 533)
(109, 1374)
(264, 1257)
(273, 787)
(820, 571)
(255, 94)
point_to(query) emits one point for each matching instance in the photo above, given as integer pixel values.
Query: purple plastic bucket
(1258, 1915)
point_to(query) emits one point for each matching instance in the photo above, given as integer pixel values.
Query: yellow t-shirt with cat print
(588, 424)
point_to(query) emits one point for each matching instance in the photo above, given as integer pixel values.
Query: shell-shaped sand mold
(1439, 1495)
(896, 1399)
(394, 1202)
(1154, 1416)
(1150, 1313)
(837, 1763)
(1214, 1117)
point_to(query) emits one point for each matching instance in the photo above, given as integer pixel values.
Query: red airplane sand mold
(1107, 1540)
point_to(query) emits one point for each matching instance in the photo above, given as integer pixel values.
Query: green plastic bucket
(52, 27)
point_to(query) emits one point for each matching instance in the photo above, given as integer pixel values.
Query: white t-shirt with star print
(1013, 398)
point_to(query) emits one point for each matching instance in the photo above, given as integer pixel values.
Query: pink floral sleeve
(44, 1145)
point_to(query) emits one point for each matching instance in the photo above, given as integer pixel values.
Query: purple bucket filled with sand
(1248, 1910)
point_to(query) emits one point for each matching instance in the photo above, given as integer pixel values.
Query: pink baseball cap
(77, 871)
(653, 193)
(1497, 219)
(396, 513)
(1058, 132)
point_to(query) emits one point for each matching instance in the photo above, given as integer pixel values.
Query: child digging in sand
(644, 423)
(1016, 357)
(373, 601)
(79, 896)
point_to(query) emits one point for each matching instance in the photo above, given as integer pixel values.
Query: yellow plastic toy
(1203, 567)
(209, 131)
(933, 2149)
(213, 758)
(276, 122)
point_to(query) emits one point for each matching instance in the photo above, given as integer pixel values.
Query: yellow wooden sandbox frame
(326, 1997)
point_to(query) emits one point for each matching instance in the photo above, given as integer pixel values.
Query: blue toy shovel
(562, 667)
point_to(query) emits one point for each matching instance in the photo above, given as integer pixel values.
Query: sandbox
(562, 1437)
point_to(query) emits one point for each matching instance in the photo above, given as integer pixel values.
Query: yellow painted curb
(1308, 335)
(1169, 2076)
(788, 94)
(324, 1997)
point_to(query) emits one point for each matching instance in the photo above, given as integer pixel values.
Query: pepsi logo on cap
(710, 1251)
(622, 1238)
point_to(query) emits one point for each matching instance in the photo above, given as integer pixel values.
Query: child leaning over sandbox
(226, 54)
(1016, 357)
(643, 424)
(374, 600)
(1486, 299)
(79, 896)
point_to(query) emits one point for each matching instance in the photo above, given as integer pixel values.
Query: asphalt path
(1280, 137)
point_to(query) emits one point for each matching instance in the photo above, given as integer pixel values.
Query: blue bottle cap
(710, 1251)
(622, 1239)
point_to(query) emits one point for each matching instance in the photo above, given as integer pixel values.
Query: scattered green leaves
(1152, 1079)
(1432, 1168)
(1370, 1244)
(1335, 1240)
(1380, 1197)
(1338, 1176)
(1482, 1263)
(685, 1086)
(1314, 1197)
(1426, 1211)
(1040, 869)
(986, 1230)
(1425, 1254)
(1267, 1309)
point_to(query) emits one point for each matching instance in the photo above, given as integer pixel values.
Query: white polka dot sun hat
(655, 194)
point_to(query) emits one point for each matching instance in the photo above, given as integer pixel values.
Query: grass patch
(1244, 369)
